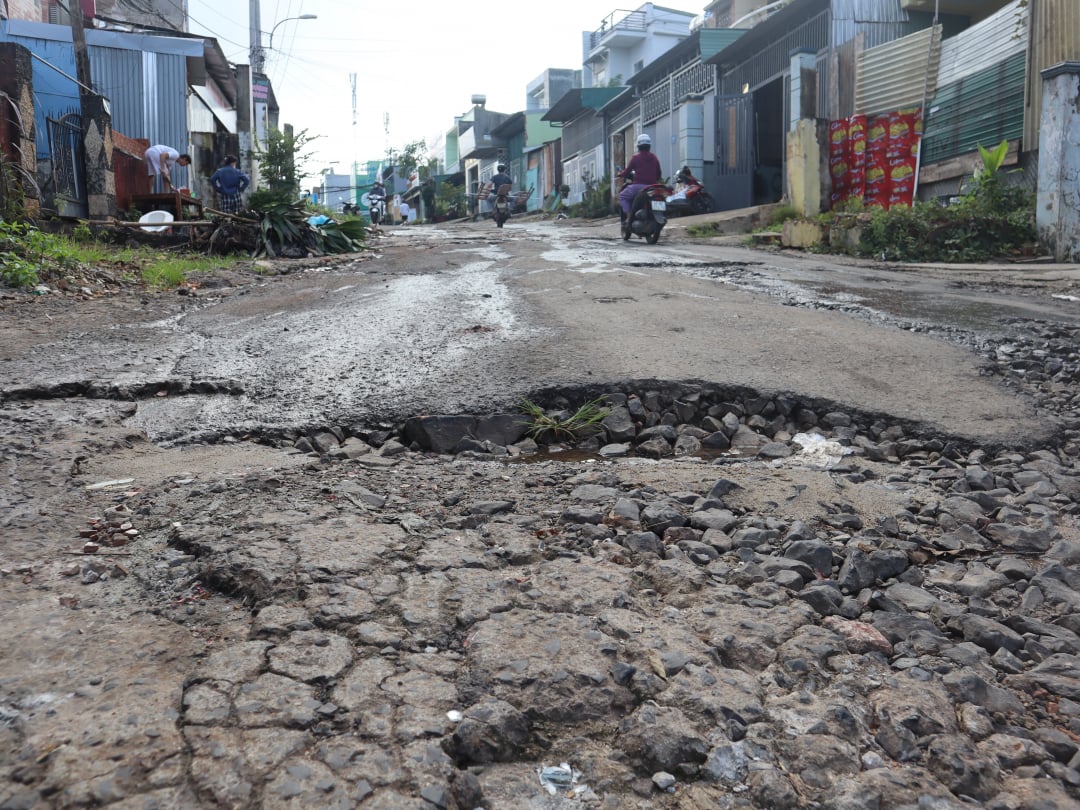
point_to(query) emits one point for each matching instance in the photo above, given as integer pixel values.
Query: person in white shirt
(160, 160)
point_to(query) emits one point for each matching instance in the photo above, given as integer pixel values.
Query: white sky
(419, 61)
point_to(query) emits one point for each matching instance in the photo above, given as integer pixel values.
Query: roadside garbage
(109, 484)
(160, 220)
(819, 452)
(561, 778)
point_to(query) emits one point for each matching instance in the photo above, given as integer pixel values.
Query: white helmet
(644, 140)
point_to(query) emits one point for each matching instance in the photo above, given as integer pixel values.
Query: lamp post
(301, 17)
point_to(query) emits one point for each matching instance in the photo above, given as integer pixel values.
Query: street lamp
(301, 17)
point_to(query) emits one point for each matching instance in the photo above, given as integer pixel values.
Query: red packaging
(902, 170)
(899, 200)
(857, 152)
(838, 137)
(838, 166)
(900, 137)
(877, 172)
(877, 135)
(916, 120)
(856, 183)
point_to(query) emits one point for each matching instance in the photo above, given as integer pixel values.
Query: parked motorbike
(689, 197)
(376, 208)
(648, 214)
(500, 205)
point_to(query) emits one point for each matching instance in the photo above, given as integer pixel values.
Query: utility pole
(78, 39)
(256, 54)
(356, 162)
(96, 125)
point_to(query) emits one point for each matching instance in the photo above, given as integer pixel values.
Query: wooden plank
(963, 165)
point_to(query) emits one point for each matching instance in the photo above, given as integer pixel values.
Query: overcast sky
(417, 61)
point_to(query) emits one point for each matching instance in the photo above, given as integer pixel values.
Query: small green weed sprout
(561, 425)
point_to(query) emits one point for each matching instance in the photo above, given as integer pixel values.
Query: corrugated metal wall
(985, 44)
(1055, 38)
(896, 75)
(148, 95)
(624, 117)
(582, 133)
(981, 87)
(984, 108)
(118, 75)
(879, 21)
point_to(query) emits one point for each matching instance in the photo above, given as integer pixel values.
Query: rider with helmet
(644, 169)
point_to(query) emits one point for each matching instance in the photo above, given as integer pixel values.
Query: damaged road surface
(286, 541)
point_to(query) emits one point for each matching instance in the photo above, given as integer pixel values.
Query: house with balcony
(673, 100)
(627, 41)
(624, 44)
(739, 13)
(479, 148)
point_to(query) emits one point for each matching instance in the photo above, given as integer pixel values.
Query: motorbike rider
(501, 178)
(644, 167)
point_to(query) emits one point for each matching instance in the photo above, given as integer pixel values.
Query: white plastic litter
(157, 216)
(561, 778)
(819, 452)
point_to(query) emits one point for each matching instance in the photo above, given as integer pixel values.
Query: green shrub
(781, 214)
(992, 218)
(596, 201)
(450, 200)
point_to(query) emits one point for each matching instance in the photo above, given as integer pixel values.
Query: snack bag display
(838, 138)
(878, 161)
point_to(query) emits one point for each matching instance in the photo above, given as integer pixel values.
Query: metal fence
(666, 95)
(68, 168)
(630, 21)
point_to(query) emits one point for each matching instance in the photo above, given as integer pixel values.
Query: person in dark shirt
(229, 183)
(643, 168)
(501, 178)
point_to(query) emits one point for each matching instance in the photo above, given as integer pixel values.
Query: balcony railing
(619, 21)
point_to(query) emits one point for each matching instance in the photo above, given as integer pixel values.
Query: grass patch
(704, 229)
(29, 256)
(172, 271)
(564, 425)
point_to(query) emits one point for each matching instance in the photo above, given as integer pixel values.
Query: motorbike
(376, 208)
(690, 196)
(500, 205)
(648, 214)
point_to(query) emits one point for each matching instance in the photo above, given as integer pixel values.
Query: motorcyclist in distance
(644, 167)
(501, 178)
